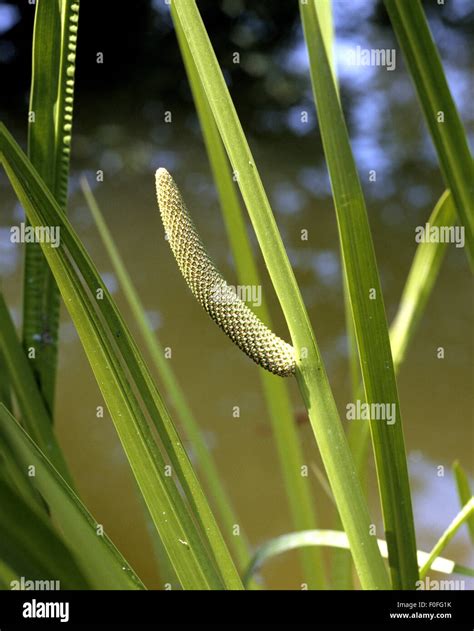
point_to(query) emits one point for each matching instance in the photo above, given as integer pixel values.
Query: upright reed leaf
(100, 561)
(368, 310)
(276, 391)
(49, 146)
(310, 372)
(441, 115)
(186, 524)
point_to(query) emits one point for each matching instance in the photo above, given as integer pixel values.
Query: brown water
(436, 395)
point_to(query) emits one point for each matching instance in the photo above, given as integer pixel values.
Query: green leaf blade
(49, 141)
(464, 492)
(196, 549)
(30, 546)
(34, 413)
(101, 563)
(310, 373)
(440, 112)
(275, 390)
(367, 309)
(177, 396)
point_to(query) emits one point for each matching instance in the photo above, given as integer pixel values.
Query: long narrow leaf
(441, 115)
(367, 309)
(49, 141)
(33, 408)
(341, 566)
(5, 390)
(338, 540)
(7, 576)
(177, 396)
(464, 492)
(464, 515)
(420, 281)
(30, 546)
(310, 372)
(190, 555)
(277, 398)
(419, 285)
(12, 473)
(101, 563)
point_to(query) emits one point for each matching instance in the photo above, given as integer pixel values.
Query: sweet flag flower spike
(209, 287)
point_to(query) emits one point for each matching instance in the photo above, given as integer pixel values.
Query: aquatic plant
(61, 540)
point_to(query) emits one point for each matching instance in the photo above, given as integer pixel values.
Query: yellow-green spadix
(219, 299)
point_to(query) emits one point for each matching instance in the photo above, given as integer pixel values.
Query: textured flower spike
(215, 295)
